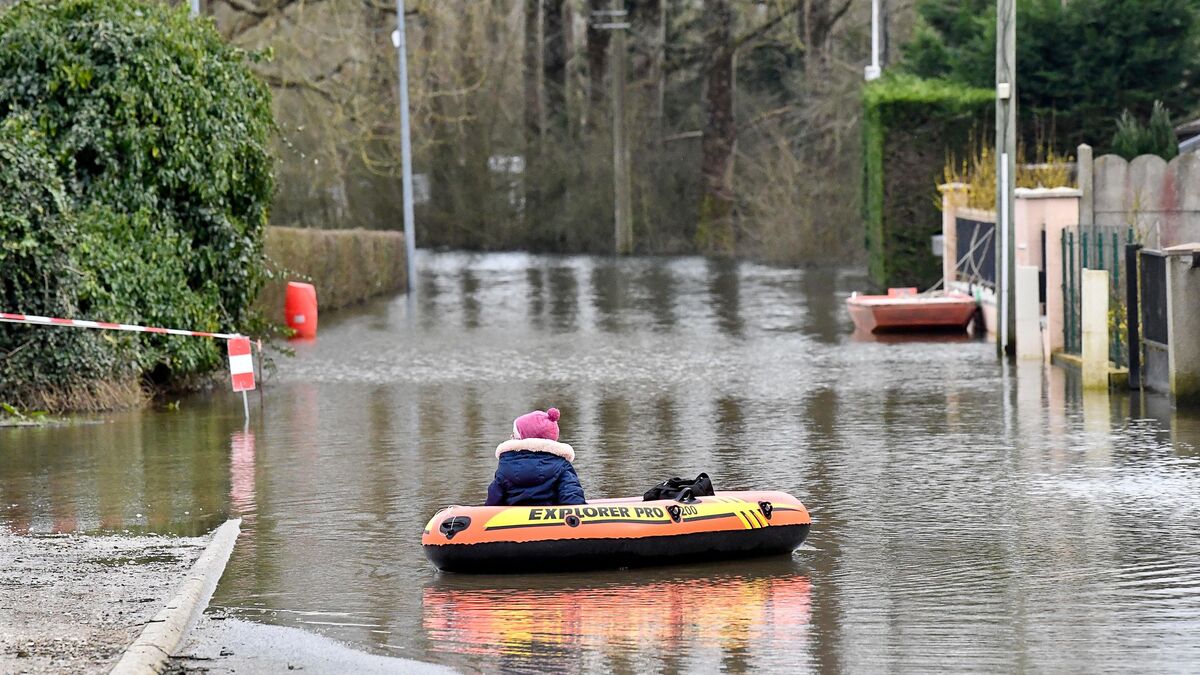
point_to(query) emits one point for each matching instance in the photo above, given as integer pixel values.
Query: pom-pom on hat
(537, 424)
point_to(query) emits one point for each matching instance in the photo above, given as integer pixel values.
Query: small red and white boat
(903, 309)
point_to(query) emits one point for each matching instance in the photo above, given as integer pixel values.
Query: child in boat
(534, 468)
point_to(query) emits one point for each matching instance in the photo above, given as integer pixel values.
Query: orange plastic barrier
(300, 308)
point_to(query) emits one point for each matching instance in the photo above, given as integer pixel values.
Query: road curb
(152, 650)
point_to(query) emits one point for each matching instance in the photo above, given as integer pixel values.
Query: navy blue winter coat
(526, 478)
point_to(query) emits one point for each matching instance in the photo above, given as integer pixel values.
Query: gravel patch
(218, 645)
(72, 603)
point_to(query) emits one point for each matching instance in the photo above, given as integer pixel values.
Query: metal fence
(1154, 297)
(976, 251)
(1095, 247)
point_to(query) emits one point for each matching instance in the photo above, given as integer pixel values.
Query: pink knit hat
(537, 424)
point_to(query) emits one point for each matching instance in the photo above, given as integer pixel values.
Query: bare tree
(494, 80)
(554, 65)
(648, 21)
(816, 22)
(597, 61)
(714, 232)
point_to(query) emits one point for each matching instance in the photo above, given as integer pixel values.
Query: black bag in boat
(672, 488)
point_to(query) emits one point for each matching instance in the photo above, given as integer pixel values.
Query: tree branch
(767, 25)
(837, 16)
(309, 84)
(246, 8)
(390, 8)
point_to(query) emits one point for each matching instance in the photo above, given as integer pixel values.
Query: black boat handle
(675, 512)
(766, 509)
(453, 525)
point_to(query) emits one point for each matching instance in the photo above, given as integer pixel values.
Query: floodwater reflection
(712, 616)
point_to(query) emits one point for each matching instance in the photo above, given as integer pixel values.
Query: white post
(873, 70)
(1093, 301)
(195, 8)
(246, 406)
(1002, 281)
(1029, 339)
(410, 243)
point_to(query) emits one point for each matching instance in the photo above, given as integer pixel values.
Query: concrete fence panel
(1160, 199)
(1111, 193)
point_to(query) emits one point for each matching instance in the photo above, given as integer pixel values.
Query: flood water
(966, 516)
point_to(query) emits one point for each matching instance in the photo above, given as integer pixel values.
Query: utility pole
(1006, 165)
(410, 242)
(622, 190)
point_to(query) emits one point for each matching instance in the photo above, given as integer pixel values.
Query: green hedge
(139, 194)
(910, 127)
(345, 266)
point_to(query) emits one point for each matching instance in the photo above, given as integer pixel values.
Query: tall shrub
(1079, 63)
(157, 131)
(909, 127)
(1132, 138)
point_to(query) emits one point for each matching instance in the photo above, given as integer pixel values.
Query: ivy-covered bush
(910, 127)
(39, 272)
(149, 134)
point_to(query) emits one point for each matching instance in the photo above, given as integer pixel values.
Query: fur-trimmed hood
(537, 445)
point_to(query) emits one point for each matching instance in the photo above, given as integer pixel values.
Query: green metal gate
(1095, 247)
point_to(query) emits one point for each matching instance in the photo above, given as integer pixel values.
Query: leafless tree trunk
(532, 64)
(571, 68)
(554, 67)
(885, 19)
(533, 106)
(648, 21)
(714, 233)
(816, 21)
(597, 61)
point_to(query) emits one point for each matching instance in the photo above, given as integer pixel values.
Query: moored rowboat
(903, 309)
(614, 532)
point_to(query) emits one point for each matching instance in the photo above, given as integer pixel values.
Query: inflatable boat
(614, 532)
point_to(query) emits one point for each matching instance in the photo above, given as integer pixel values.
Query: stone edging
(152, 650)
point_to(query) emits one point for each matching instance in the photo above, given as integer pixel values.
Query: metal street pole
(410, 242)
(1006, 165)
(873, 70)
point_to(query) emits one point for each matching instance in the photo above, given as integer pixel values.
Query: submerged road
(966, 516)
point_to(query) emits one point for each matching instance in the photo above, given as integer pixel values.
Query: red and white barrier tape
(77, 323)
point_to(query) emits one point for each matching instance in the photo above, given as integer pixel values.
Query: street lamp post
(873, 71)
(410, 243)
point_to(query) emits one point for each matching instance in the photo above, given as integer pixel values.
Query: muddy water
(966, 516)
